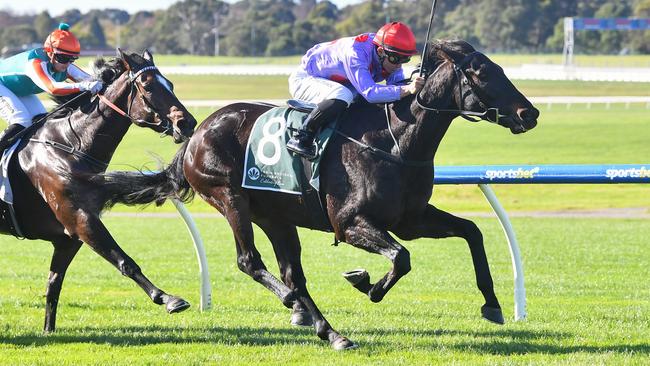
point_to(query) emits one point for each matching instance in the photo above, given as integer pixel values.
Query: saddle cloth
(268, 165)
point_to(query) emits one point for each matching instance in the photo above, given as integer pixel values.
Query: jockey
(32, 72)
(332, 74)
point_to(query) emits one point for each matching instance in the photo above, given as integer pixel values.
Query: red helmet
(396, 37)
(62, 41)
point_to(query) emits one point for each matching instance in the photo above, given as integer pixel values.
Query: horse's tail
(138, 187)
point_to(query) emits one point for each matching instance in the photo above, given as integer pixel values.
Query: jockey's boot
(302, 142)
(11, 131)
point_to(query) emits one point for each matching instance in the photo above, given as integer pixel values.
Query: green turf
(586, 279)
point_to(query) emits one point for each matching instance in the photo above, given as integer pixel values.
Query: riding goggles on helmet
(396, 58)
(64, 59)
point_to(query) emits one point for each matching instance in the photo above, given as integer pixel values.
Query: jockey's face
(61, 61)
(388, 66)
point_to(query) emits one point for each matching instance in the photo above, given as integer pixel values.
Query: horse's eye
(148, 86)
(481, 72)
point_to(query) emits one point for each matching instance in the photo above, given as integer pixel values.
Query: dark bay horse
(366, 194)
(47, 166)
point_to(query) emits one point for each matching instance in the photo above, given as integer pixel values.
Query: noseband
(489, 114)
(165, 123)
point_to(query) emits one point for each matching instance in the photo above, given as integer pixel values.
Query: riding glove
(94, 86)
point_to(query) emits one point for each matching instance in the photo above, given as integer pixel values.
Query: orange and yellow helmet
(62, 41)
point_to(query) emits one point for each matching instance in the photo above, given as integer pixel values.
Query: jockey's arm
(396, 77)
(36, 69)
(356, 69)
(76, 74)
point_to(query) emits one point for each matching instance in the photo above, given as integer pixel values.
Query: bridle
(165, 124)
(489, 114)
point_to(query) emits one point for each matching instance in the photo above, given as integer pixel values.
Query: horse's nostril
(182, 123)
(528, 114)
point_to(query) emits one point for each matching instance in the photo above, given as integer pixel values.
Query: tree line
(289, 27)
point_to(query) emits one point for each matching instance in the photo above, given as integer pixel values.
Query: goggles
(396, 58)
(64, 59)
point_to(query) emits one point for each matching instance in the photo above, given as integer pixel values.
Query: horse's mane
(106, 71)
(455, 48)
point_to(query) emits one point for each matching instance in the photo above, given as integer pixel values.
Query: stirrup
(309, 152)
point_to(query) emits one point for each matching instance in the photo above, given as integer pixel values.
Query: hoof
(359, 278)
(301, 319)
(344, 344)
(176, 305)
(493, 315)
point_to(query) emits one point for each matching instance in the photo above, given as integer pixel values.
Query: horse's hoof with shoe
(494, 315)
(343, 344)
(359, 278)
(176, 305)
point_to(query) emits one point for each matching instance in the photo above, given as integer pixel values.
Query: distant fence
(523, 72)
(483, 176)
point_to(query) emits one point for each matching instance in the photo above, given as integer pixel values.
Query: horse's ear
(124, 58)
(147, 55)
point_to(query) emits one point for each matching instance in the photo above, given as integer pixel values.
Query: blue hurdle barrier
(483, 176)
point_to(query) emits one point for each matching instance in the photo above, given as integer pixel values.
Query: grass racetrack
(586, 278)
(588, 301)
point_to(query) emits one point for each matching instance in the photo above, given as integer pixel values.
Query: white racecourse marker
(206, 289)
(534, 174)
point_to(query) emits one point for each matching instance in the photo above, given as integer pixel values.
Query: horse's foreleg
(93, 232)
(286, 246)
(368, 237)
(435, 223)
(64, 252)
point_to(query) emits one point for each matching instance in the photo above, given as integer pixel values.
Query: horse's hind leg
(235, 209)
(435, 223)
(64, 252)
(367, 236)
(286, 246)
(93, 232)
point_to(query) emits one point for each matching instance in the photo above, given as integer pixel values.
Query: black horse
(368, 192)
(50, 161)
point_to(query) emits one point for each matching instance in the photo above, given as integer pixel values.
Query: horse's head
(151, 101)
(480, 87)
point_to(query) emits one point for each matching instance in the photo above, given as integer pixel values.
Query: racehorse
(50, 161)
(376, 177)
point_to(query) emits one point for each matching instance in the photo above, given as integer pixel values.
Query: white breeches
(314, 89)
(20, 110)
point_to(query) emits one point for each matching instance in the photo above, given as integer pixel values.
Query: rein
(397, 159)
(71, 150)
(489, 114)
